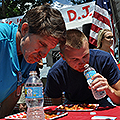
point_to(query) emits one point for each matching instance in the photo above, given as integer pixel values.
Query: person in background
(22, 46)
(105, 41)
(66, 75)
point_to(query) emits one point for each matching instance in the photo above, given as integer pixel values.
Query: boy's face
(35, 47)
(77, 58)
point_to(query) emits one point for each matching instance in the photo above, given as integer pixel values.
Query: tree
(13, 8)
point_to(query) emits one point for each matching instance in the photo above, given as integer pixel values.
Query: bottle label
(89, 74)
(33, 92)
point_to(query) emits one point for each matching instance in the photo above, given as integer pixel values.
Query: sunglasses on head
(109, 37)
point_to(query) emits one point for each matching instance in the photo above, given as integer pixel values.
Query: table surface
(113, 112)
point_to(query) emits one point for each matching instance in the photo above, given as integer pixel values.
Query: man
(66, 75)
(21, 47)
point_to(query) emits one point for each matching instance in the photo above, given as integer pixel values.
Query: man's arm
(56, 101)
(114, 92)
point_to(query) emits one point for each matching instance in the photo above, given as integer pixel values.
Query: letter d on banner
(70, 13)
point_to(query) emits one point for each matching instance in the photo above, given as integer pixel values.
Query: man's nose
(44, 54)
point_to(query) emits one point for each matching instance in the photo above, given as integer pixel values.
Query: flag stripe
(92, 41)
(102, 11)
(95, 28)
(100, 24)
(101, 18)
(93, 34)
(113, 29)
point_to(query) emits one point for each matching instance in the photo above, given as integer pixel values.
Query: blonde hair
(101, 34)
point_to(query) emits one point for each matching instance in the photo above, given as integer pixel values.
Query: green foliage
(13, 8)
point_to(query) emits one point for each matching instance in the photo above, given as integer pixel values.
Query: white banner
(78, 12)
(16, 20)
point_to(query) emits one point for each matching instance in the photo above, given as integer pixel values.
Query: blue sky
(63, 1)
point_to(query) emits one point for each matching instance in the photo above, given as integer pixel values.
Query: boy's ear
(62, 55)
(24, 28)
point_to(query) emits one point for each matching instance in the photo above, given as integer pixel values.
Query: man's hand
(100, 83)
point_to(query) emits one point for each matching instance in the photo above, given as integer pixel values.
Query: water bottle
(88, 73)
(34, 97)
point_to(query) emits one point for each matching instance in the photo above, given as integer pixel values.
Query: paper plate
(53, 114)
(19, 116)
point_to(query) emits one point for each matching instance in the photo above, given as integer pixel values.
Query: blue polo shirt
(9, 62)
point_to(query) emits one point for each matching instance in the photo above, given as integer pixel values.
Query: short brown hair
(44, 20)
(74, 38)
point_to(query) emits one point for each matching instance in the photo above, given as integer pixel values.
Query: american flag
(102, 19)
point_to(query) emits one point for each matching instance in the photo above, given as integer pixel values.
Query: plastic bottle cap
(86, 65)
(33, 73)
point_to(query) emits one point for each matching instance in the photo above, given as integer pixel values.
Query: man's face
(77, 58)
(34, 47)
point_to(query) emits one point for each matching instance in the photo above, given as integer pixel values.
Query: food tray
(54, 113)
(77, 107)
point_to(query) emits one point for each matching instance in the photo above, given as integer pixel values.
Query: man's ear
(24, 28)
(62, 55)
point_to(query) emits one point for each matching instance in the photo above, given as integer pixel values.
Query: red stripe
(95, 28)
(113, 28)
(111, 50)
(101, 18)
(92, 41)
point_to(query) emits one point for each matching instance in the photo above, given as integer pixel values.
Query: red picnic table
(87, 115)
